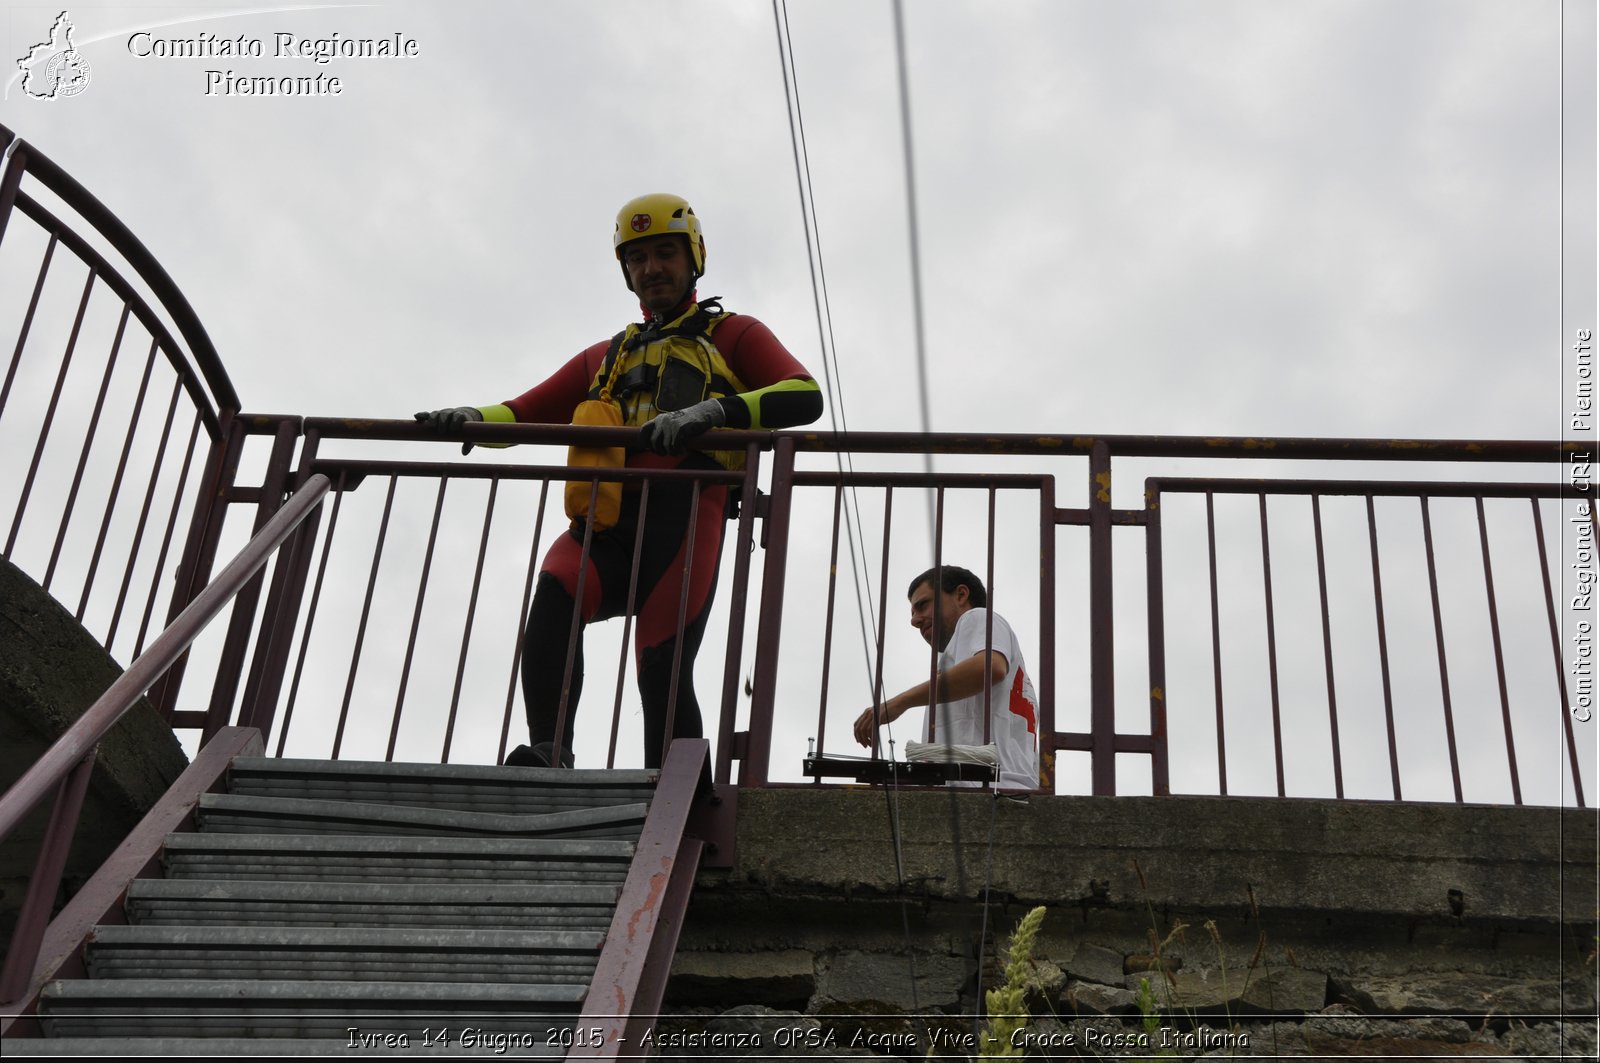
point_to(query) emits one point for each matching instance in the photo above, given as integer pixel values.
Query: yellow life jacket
(659, 368)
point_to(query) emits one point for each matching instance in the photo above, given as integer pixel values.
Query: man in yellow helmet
(688, 367)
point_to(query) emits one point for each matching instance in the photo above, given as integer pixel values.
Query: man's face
(660, 271)
(934, 612)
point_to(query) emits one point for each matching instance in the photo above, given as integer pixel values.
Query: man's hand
(671, 433)
(450, 418)
(865, 724)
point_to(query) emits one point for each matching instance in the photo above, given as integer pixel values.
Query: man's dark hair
(949, 578)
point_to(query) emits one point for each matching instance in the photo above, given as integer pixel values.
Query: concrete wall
(51, 670)
(1477, 920)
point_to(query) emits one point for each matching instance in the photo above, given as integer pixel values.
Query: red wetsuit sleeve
(779, 393)
(553, 401)
(754, 353)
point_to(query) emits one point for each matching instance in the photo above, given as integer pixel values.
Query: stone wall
(1259, 926)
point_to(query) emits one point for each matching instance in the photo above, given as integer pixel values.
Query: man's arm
(782, 394)
(962, 679)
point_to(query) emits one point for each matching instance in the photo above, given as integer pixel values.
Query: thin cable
(918, 316)
(909, 158)
(824, 313)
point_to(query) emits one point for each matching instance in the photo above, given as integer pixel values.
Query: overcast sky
(1336, 218)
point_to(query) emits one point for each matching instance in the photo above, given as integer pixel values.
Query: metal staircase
(325, 906)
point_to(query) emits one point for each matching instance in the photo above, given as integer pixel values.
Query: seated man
(948, 605)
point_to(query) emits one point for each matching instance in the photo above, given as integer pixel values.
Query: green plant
(1006, 1006)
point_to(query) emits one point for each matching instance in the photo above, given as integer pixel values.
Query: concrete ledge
(1199, 853)
(1256, 908)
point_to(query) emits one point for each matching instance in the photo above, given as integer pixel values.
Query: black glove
(449, 419)
(671, 433)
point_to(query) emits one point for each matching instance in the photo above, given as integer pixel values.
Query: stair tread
(484, 773)
(302, 994)
(596, 849)
(409, 938)
(301, 815)
(494, 893)
(411, 816)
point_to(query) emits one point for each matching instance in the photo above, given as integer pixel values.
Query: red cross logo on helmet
(640, 222)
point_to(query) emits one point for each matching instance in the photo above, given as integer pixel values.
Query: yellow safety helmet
(659, 214)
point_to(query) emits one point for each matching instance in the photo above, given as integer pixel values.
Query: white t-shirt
(1013, 706)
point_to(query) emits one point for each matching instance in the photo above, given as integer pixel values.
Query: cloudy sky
(1233, 218)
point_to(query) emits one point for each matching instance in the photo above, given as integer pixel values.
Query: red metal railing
(65, 767)
(1054, 573)
(105, 487)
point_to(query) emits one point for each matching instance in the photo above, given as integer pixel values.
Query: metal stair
(332, 906)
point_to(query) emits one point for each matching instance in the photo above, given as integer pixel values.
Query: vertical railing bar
(166, 538)
(361, 627)
(575, 632)
(827, 624)
(88, 445)
(627, 624)
(1216, 646)
(1272, 645)
(1555, 647)
(116, 493)
(466, 628)
(27, 323)
(1047, 632)
(933, 650)
(988, 626)
(744, 545)
(683, 615)
(1438, 638)
(50, 414)
(1499, 656)
(522, 619)
(416, 619)
(311, 617)
(1102, 633)
(1383, 650)
(1327, 647)
(1156, 623)
(883, 602)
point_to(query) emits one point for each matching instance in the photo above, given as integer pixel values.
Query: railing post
(200, 547)
(230, 664)
(46, 879)
(1102, 686)
(744, 539)
(1048, 746)
(1155, 611)
(259, 706)
(758, 749)
(16, 156)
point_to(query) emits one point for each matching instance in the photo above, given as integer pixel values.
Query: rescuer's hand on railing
(450, 418)
(672, 432)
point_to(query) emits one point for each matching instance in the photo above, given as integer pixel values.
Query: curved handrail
(122, 695)
(129, 246)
